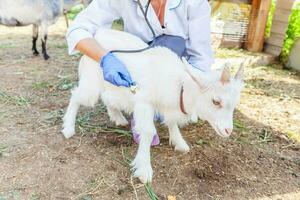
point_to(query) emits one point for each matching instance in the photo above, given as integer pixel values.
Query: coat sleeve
(99, 14)
(199, 42)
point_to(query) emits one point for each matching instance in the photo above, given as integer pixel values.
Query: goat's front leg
(144, 125)
(44, 41)
(176, 139)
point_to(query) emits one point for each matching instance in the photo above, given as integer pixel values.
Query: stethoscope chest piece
(134, 89)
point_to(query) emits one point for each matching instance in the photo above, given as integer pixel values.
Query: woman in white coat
(188, 20)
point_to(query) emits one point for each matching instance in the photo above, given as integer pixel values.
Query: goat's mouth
(221, 133)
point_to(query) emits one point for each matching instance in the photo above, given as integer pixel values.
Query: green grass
(118, 25)
(239, 125)
(87, 197)
(6, 195)
(3, 115)
(65, 84)
(294, 136)
(74, 11)
(16, 100)
(243, 132)
(149, 190)
(243, 139)
(40, 85)
(270, 19)
(292, 34)
(7, 46)
(54, 117)
(85, 125)
(126, 162)
(2, 149)
(265, 136)
(85, 122)
(61, 46)
(293, 30)
(35, 196)
(202, 142)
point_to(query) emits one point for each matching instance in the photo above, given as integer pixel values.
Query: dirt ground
(261, 161)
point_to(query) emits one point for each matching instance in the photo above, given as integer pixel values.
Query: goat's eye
(217, 102)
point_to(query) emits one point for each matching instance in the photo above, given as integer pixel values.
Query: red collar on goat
(181, 102)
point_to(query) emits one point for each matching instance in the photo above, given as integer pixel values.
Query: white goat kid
(39, 13)
(165, 85)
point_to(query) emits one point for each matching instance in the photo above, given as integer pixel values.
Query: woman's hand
(114, 71)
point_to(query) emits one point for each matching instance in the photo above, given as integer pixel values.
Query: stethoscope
(145, 12)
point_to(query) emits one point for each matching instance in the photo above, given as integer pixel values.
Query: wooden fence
(229, 24)
(249, 29)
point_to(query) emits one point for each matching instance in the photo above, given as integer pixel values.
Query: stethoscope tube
(145, 12)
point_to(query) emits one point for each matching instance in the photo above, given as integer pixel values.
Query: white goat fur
(159, 74)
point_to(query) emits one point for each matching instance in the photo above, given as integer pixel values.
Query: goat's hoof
(121, 122)
(144, 174)
(182, 148)
(35, 53)
(68, 132)
(46, 56)
(142, 171)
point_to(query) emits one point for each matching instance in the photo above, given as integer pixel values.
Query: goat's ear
(240, 73)
(225, 76)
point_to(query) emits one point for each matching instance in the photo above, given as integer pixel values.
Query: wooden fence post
(257, 26)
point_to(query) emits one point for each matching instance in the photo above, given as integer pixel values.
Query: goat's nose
(228, 130)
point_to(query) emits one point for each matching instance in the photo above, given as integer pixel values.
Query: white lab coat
(189, 19)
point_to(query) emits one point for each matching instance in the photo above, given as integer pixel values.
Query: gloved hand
(115, 72)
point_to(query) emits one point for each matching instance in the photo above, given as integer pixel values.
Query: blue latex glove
(114, 71)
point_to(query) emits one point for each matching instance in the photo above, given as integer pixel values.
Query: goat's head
(217, 103)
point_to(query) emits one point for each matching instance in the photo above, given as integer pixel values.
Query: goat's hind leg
(176, 139)
(80, 96)
(86, 94)
(116, 116)
(35, 34)
(111, 99)
(70, 116)
(44, 41)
